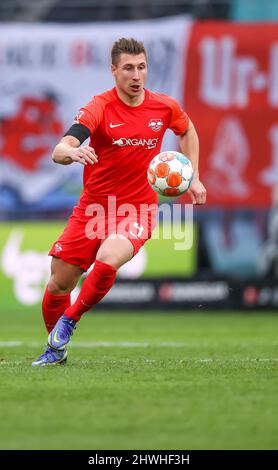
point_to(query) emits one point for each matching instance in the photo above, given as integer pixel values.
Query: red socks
(53, 306)
(94, 288)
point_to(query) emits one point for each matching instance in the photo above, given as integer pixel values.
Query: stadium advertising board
(25, 265)
(148, 281)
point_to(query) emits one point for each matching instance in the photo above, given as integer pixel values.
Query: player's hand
(84, 155)
(197, 192)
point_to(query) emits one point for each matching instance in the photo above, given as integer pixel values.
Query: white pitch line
(127, 344)
(96, 344)
(10, 363)
(189, 360)
(130, 344)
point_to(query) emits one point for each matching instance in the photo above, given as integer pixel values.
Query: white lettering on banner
(227, 80)
(143, 292)
(215, 90)
(269, 176)
(194, 292)
(29, 270)
(228, 160)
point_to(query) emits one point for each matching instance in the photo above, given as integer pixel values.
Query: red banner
(231, 95)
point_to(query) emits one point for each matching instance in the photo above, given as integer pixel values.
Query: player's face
(130, 74)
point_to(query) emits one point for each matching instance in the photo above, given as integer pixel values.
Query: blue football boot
(61, 333)
(51, 357)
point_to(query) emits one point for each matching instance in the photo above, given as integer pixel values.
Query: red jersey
(126, 138)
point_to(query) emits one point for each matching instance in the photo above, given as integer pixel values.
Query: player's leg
(72, 253)
(56, 299)
(113, 253)
(70, 256)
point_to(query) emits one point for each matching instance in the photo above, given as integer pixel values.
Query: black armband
(79, 131)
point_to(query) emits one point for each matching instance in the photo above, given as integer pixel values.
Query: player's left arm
(189, 144)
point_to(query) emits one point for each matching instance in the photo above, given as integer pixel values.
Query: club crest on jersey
(155, 124)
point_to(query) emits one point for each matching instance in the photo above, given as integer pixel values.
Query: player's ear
(113, 69)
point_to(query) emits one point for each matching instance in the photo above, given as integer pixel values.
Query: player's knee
(105, 256)
(115, 252)
(59, 286)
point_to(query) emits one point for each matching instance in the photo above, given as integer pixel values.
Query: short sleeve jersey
(126, 138)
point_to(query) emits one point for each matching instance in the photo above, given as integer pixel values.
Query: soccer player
(126, 126)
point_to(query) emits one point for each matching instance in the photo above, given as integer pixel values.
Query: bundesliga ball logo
(170, 173)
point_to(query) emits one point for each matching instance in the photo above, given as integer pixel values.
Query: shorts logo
(155, 124)
(58, 247)
(139, 229)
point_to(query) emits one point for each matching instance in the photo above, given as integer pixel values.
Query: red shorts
(83, 236)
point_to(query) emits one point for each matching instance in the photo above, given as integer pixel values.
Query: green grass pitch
(143, 381)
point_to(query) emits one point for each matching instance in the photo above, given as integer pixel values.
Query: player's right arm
(85, 123)
(68, 151)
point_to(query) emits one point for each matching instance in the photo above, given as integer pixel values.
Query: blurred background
(219, 58)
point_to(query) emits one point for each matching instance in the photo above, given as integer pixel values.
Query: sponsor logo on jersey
(155, 124)
(124, 142)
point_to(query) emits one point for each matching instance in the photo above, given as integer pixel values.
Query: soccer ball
(170, 173)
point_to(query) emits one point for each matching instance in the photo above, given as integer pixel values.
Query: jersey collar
(132, 107)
